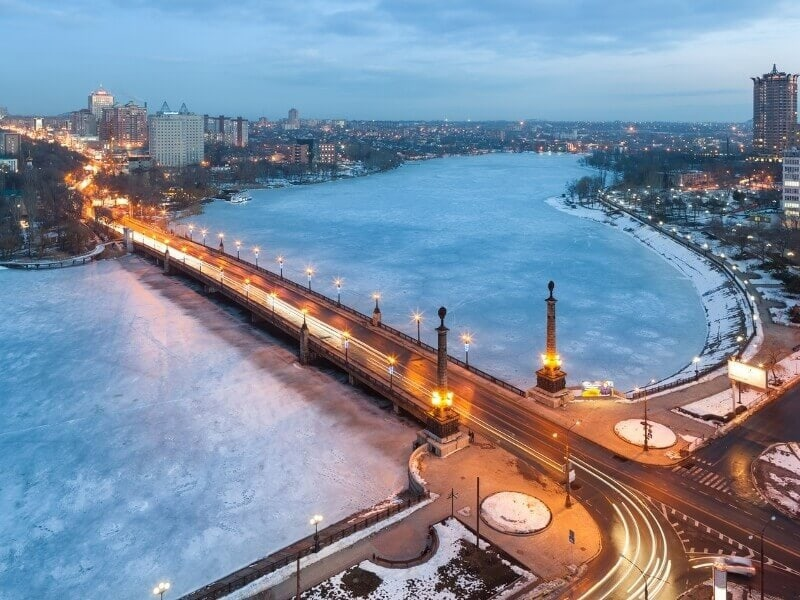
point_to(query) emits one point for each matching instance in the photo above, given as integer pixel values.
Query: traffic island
(647, 434)
(515, 513)
(776, 476)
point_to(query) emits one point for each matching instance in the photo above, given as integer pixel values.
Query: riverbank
(727, 310)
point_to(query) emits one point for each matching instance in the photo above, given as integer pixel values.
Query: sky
(630, 60)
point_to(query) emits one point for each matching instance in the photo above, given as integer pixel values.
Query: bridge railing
(332, 303)
(301, 549)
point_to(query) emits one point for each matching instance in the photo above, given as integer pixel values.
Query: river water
(474, 234)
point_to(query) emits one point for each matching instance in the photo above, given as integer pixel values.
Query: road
(634, 505)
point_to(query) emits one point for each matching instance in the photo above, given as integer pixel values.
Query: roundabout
(633, 431)
(515, 513)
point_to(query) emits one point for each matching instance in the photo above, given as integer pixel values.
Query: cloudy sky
(400, 59)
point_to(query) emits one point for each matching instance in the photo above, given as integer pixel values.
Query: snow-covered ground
(515, 512)
(632, 431)
(779, 479)
(150, 435)
(445, 576)
(728, 312)
(476, 235)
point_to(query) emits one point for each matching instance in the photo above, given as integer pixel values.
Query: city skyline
(403, 61)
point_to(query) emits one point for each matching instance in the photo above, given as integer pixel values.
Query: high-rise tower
(774, 112)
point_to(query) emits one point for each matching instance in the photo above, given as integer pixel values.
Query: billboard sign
(747, 374)
(603, 389)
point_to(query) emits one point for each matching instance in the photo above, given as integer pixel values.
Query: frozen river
(475, 234)
(147, 434)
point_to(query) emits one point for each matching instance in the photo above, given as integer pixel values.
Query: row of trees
(585, 189)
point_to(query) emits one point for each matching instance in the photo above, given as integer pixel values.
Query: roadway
(627, 500)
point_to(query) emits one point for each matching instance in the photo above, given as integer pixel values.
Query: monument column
(551, 380)
(441, 353)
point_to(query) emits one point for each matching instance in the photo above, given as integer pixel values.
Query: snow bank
(727, 308)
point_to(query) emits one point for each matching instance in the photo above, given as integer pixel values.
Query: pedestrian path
(700, 471)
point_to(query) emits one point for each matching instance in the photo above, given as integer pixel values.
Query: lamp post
(204, 232)
(763, 529)
(739, 340)
(346, 336)
(391, 360)
(191, 230)
(160, 589)
(309, 272)
(696, 361)
(417, 316)
(338, 283)
(221, 237)
(466, 337)
(256, 251)
(315, 521)
(568, 484)
(238, 248)
(280, 264)
(646, 597)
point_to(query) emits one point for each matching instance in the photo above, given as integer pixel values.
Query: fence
(286, 557)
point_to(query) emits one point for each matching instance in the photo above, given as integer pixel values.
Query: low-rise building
(9, 165)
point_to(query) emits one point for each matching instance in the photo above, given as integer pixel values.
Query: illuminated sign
(747, 374)
(597, 388)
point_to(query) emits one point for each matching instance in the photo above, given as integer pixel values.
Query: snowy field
(778, 476)
(447, 575)
(476, 235)
(148, 434)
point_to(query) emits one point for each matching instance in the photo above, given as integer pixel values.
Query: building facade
(10, 144)
(124, 126)
(790, 201)
(98, 100)
(227, 130)
(774, 112)
(326, 154)
(82, 123)
(176, 138)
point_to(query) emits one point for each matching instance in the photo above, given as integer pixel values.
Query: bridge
(621, 496)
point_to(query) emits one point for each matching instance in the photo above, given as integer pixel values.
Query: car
(736, 564)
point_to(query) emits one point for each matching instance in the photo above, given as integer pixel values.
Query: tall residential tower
(176, 138)
(774, 112)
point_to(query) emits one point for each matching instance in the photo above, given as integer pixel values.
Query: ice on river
(146, 434)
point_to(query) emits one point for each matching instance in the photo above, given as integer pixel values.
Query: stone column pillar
(441, 353)
(167, 268)
(550, 349)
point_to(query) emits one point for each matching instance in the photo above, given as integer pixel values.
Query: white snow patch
(515, 512)
(632, 431)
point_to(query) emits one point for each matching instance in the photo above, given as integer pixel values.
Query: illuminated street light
(315, 521)
(280, 264)
(256, 251)
(763, 529)
(221, 244)
(466, 337)
(238, 248)
(191, 230)
(696, 361)
(417, 316)
(204, 232)
(310, 273)
(568, 484)
(391, 360)
(376, 296)
(338, 283)
(160, 589)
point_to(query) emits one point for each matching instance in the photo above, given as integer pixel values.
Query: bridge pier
(209, 289)
(255, 319)
(128, 236)
(350, 379)
(167, 267)
(305, 355)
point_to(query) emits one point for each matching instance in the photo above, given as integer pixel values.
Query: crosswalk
(700, 471)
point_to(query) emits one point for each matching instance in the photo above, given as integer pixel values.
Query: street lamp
(338, 283)
(696, 361)
(391, 360)
(466, 337)
(204, 232)
(280, 264)
(238, 248)
(309, 272)
(315, 521)
(221, 237)
(763, 529)
(160, 589)
(568, 484)
(256, 251)
(417, 316)
(191, 230)
(346, 338)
